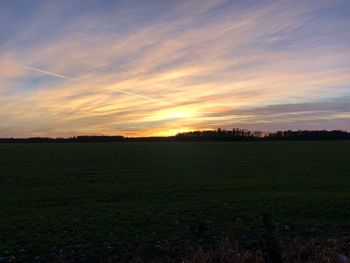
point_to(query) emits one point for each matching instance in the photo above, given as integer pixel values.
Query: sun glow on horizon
(172, 132)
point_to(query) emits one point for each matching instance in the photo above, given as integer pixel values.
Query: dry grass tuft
(332, 251)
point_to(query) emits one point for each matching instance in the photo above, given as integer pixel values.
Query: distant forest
(207, 135)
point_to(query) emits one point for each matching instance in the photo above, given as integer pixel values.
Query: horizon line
(265, 133)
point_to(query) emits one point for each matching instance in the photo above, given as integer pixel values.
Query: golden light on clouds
(173, 114)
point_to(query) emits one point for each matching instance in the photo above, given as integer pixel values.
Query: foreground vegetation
(132, 196)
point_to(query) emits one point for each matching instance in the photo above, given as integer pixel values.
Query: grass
(135, 195)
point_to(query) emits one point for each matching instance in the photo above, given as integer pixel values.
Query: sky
(155, 67)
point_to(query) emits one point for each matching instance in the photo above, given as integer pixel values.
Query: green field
(143, 194)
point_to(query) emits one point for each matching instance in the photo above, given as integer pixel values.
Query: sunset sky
(144, 67)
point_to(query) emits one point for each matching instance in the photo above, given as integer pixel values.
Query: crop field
(147, 194)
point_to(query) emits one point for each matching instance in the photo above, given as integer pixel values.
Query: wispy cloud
(158, 67)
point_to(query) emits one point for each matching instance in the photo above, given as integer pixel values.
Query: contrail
(78, 80)
(47, 72)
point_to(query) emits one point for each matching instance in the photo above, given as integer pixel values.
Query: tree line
(246, 135)
(78, 139)
(206, 135)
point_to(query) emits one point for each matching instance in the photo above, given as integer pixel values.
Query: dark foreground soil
(269, 250)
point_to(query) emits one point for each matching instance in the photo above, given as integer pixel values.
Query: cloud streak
(73, 79)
